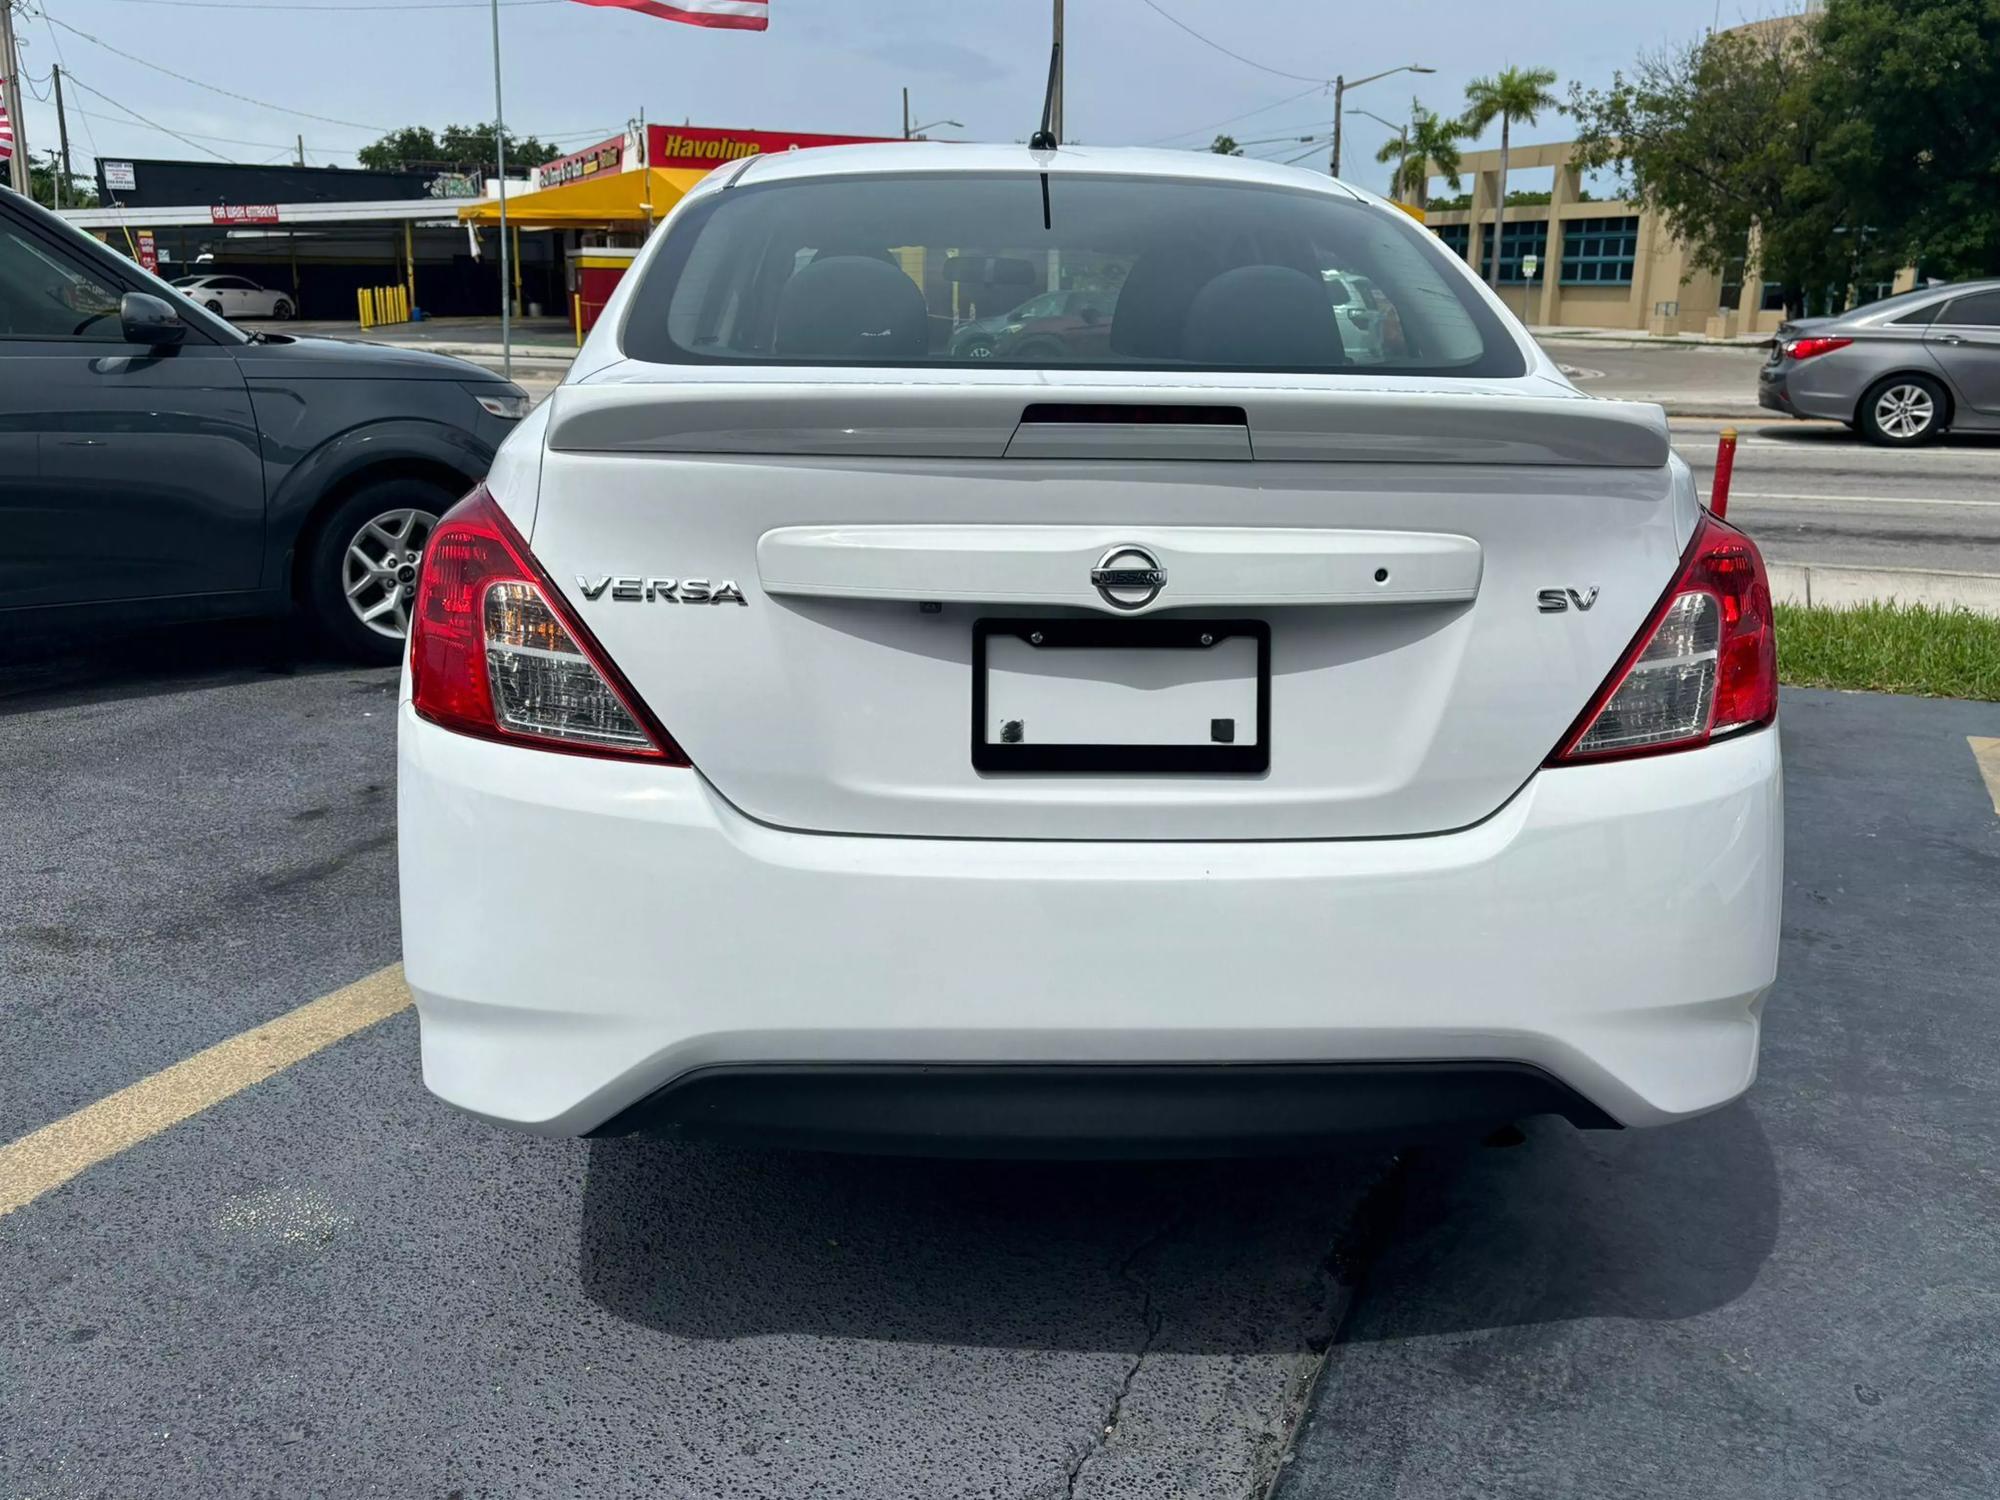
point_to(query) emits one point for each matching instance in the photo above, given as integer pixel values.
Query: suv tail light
(1807, 348)
(495, 652)
(1704, 666)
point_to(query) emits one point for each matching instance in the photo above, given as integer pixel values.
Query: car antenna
(1044, 139)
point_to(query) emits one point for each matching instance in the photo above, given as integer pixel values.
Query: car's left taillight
(495, 652)
(1705, 664)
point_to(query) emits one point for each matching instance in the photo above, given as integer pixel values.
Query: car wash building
(603, 202)
(325, 234)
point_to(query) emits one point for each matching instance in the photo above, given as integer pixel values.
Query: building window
(1457, 238)
(1599, 252)
(1518, 238)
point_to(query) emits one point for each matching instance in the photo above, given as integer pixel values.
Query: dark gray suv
(157, 463)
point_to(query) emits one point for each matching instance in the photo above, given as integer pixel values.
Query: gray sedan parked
(1901, 370)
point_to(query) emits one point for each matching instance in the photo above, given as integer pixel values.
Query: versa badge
(669, 590)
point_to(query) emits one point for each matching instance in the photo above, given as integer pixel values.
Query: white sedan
(236, 297)
(1203, 743)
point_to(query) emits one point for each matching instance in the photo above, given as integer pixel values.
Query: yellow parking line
(1987, 754)
(46, 1159)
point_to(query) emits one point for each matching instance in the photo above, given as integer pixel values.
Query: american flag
(6, 122)
(733, 15)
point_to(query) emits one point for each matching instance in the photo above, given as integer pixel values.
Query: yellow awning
(616, 198)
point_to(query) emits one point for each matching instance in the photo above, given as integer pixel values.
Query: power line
(212, 88)
(326, 5)
(129, 119)
(1232, 119)
(154, 124)
(1211, 42)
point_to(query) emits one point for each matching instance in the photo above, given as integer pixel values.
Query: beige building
(1596, 263)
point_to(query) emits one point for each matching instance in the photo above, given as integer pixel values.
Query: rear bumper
(582, 934)
(1098, 1110)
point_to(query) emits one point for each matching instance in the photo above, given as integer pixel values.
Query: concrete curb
(542, 354)
(1844, 588)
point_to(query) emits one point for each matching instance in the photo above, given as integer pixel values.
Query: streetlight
(1340, 88)
(911, 132)
(1402, 137)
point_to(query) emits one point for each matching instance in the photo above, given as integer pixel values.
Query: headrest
(1262, 315)
(851, 307)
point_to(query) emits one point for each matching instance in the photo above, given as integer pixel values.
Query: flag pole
(500, 152)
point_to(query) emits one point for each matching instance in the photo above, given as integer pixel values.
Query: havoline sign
(706, 146)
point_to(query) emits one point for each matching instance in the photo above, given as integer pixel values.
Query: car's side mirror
(147, 319)
(1090, 314)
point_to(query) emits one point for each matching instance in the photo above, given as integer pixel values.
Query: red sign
(608, 156)
(244, 213)
(705, 146)
(149, 252)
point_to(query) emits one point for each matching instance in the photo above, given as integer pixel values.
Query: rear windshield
(1118, 273)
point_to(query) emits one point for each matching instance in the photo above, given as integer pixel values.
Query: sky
(579, 73)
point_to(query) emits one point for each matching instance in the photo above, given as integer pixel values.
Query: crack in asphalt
(1355, 1250)
(1151, 1319)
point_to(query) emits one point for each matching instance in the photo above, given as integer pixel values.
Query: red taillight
(1807, 348)
(495, 652)
(1704, 666)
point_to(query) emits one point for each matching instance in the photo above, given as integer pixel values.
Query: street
(1812, 493)
(325, 1282)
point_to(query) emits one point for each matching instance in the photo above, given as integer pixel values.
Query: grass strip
(1891, 648)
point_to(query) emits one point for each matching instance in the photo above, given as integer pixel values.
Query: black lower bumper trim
(1079, 1110)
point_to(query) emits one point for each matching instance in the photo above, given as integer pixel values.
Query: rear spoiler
(911, 420)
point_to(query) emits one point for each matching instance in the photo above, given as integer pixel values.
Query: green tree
(1514, 94)
(1725, 139)
(1427, 148)
(78, 192)
(457, 148)
(1225, 145)
(1910, 91)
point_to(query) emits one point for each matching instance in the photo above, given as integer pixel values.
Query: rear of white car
(1216, 740)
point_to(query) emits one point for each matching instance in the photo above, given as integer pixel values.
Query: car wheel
(282, 310)
(214, 307)
(360, 579)
(1903, 411)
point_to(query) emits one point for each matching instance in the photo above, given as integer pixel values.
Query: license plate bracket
(1208, 692)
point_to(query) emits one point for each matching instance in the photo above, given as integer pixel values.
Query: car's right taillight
(1807, 348)
(1704, 666)
(495, 652)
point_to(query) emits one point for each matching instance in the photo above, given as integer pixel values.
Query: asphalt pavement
(329, 1284)
(1796, 1296)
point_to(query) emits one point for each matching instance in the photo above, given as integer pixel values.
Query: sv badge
(1555, 601)
(667, 590)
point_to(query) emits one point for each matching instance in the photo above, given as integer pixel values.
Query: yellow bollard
(361, 306)
(576, 316)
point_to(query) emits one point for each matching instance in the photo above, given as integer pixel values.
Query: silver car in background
(1900, 371)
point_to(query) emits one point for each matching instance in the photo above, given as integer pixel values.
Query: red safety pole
(1725, 465)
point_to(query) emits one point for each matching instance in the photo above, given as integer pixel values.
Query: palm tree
(1428, 146)
(1516, 94)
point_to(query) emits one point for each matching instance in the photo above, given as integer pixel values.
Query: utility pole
(1056, 116)
(62, 131)
(1339, 97)
(906, 114)
(506, 259)
(19, 173)
(302, 151)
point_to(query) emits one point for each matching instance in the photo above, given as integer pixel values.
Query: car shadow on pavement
(1233, 1257)
(1211, 1257)
(1647, 1224)
(49, 668)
